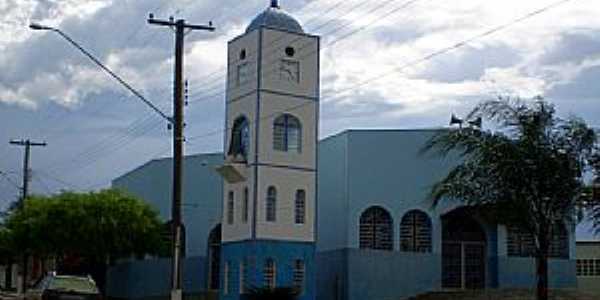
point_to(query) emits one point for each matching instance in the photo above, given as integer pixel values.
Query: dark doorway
(214, 258)
(463, 252)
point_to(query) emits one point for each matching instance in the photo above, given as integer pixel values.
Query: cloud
(372, 78)
(573, 47)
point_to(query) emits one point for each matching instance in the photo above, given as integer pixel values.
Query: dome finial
(275, 3)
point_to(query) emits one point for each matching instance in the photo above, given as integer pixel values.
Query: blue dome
(275, 17)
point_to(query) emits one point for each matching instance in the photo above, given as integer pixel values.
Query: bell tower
(270, 170)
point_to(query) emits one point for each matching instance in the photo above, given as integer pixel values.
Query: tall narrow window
(230, 207)
(300, 207)
(299, 274)
(271, 209)
(415, 232)
(376, 229)
(245, 206)
(243, 279)
(270, 273)
(287, 134)
(226, 278)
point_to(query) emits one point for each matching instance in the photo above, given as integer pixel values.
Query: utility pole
(178, 140)
(25, 192)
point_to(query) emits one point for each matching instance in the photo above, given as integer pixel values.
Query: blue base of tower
(253, 254)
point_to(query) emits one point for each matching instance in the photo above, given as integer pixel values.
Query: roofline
(160, 159)
(262, 27)
(588, 242)
(347, 131)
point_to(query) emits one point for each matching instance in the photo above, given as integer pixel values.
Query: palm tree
(528, 171)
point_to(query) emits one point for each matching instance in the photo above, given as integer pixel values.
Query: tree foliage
(528, 172)
(99, 225)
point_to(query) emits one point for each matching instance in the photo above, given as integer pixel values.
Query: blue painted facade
(255, 254)
(357, 169)
(149, 278)
(201, 195)
(152, 182)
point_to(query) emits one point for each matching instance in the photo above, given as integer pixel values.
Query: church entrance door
(463, 253)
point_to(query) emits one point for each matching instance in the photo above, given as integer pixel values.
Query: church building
(346, 217)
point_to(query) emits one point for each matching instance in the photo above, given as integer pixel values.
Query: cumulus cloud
(372, 71)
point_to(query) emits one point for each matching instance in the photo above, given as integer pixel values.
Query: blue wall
(151, 278)
(201, 196)
(257, 252)
(519, 272)
(332, 275)
(386, 169)
(356, 274)
(332, 194)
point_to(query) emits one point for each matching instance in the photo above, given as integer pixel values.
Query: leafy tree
(528, 172)
(6, 251)
(265, 293)
(97, 227)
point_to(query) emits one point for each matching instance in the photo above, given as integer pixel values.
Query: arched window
(271, 208)
(245, 206)
(415, 232)
(376, 229)
(230, 207)
(300, 207)
(270, 273)
(240, 139)
(287, 134)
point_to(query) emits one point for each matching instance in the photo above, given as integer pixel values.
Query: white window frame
(271, 204)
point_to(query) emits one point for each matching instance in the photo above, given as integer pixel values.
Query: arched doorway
(214, 258)
(463, 252)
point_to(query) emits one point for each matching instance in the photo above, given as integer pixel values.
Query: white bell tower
(269, 205)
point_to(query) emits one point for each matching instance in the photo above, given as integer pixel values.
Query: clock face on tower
(289, 71)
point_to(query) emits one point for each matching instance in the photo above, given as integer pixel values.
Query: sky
(377, 71)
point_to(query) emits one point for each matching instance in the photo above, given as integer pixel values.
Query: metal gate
(463, 265)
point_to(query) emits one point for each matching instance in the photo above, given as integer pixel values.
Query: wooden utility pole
(25, 192)
(178, 140)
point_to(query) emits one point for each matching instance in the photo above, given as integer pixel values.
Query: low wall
(376, 274)
(331, 277)
(519, 272)
(151, 279)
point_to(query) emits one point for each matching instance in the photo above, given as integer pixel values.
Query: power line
(10, 180)
(415, 62)
(334, 30)
(214, 82)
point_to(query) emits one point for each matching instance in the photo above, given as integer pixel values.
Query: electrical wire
(415, 62)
